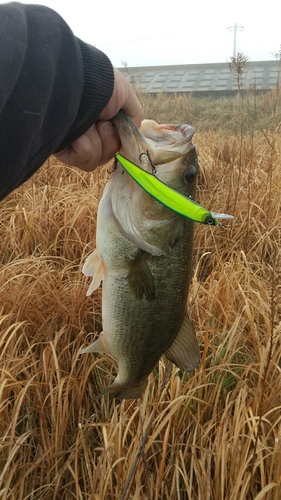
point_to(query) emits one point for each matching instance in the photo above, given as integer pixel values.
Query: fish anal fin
(98, 345)
(140, 279)
(93, 267)
(184, 351)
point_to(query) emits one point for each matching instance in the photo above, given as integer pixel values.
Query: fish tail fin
(93, 267)
(184, 351)
(119, 389)
(122, 391)
(127, 392)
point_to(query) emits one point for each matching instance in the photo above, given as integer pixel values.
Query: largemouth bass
(143, 257)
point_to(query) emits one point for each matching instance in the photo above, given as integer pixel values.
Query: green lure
(169, 197)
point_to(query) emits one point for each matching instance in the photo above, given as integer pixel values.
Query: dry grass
(216, 114)
(216, 433)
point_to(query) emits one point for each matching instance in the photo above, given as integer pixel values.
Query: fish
(143, 258)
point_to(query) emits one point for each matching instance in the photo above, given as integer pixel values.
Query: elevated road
(203, 79)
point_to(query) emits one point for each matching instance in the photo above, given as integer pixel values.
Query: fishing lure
(169, 197)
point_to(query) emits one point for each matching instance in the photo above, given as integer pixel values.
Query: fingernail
(107, 128)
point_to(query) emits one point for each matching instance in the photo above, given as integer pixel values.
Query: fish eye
(190, 174)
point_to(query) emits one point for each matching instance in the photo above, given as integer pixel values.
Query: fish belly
(139, 331)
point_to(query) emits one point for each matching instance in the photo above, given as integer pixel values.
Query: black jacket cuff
(97, 88)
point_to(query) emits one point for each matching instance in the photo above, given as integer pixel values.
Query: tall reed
(215, 434)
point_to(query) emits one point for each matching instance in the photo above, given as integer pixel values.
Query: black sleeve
(53, 87)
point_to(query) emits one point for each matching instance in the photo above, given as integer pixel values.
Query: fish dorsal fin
(93, 267)
(96, 346)
(184, 351)
(140, 279)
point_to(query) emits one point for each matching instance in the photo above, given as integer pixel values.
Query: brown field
(214, 434)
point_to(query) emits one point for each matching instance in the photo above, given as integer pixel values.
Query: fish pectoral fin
(184, 351)
(93, 267)
(96, 346)
(140, 279)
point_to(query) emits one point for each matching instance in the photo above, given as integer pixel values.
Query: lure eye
(190, 175)
(210, 220)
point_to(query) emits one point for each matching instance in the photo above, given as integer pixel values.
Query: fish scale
(145, 320)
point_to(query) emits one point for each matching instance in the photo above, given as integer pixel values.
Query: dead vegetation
(214, 434)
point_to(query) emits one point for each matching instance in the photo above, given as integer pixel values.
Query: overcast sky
(153, 32)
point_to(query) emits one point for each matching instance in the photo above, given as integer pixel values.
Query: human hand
(100, 143)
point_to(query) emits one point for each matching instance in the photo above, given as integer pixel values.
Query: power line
(158, 37)
(234, 28)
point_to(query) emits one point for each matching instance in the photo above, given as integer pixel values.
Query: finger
(96, 147)
(131, 105)
(109, 139)
(123, 97)
(133, 109)
(84, 152)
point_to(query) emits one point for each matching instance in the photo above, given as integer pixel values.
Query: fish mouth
(164, 143)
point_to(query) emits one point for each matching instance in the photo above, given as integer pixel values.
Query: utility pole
(234, 28)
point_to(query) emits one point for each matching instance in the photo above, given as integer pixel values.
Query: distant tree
(277, 54)
(237, 67)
